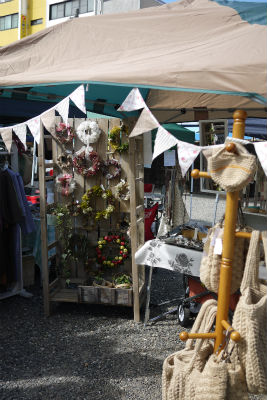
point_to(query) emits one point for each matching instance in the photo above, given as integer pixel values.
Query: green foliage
(64, 231)
(122, 279)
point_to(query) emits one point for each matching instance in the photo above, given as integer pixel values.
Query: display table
(155, 253)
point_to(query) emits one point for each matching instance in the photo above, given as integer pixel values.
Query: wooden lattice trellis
(133, 210)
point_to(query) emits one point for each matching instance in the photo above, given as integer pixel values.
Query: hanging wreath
(65, 184)
(111, 163)
(88, 132)
(87, 165)
(122, 191)
(116, 135)
(87, 205)
(65, 133)
(110, 245)
(65, 161)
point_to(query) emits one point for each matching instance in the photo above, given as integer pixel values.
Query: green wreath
(88, 199)
(115, 138)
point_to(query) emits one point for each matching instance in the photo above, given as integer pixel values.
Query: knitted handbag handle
(204, 321)
(251, 272)
(264, 241)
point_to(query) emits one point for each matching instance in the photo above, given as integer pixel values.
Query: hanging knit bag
(196, 374)
(211, 262)
(250, 319)
(232, 171)
(178, 366)
(222, 378)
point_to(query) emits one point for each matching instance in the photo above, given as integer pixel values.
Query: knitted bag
(221, 379)
(193, 373)
(211, 263)
(250, 319)
(178, 366)
(232, 171)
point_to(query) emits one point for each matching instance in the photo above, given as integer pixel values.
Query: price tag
(218, 246)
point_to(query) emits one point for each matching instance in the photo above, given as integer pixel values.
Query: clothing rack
(229, 236)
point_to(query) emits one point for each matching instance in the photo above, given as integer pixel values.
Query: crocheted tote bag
(232, 171)
(211, 263)
(250, 319)
(222, 378)
(196, 374)
(178, 366)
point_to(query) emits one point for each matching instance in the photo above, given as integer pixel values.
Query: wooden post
(133, 228)
(228, 243)
(42, 188)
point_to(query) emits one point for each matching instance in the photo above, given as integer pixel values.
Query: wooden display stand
(230, 234)
(130, 161)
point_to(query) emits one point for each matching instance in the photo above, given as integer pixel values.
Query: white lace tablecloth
(156, 253)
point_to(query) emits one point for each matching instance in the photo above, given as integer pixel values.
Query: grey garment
(26, 222)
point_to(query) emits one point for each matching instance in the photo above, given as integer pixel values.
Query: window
(37, 21)
(9, 22)
(68, 8)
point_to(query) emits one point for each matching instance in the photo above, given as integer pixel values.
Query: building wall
(150, 3)
(10, 35)
(36, 12)
(50, 22)
(33, 10)
(120, 6)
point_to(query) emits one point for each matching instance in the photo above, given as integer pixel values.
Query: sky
(252, 1)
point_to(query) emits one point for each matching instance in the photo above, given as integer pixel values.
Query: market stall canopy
(186, 57)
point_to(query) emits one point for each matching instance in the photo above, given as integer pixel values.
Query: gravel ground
(85, 351)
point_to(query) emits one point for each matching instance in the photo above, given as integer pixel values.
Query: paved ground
(84, 352)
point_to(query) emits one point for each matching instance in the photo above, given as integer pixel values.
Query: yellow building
(20, 18)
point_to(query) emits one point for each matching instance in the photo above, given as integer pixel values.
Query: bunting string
(187, 152)
(47, 118)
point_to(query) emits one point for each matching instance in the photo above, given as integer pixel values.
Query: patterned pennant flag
(78, 98)
(134, 101)
(187, 153)
(48, 119)
(164, 141)
(261, 150)
(146, 122)
(6, 134)
(21, 132)
(63, 109)
(34, 126)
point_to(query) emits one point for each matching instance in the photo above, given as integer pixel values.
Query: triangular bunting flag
(63, 109)
(6, 134)
(187, 153)
(78, 98)
(48, 120)
(21, 132)
(134, 101)
(164, 141)
(34, 126)
(261, 150)
(146, 122)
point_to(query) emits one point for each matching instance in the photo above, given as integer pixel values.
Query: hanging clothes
(14, 212)
(27, 223)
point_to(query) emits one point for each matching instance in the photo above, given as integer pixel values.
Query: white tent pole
(191, 193)
(33, 162)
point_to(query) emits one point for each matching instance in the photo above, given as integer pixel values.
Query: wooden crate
(105, 295)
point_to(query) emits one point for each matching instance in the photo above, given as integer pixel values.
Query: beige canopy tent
(191, 55)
